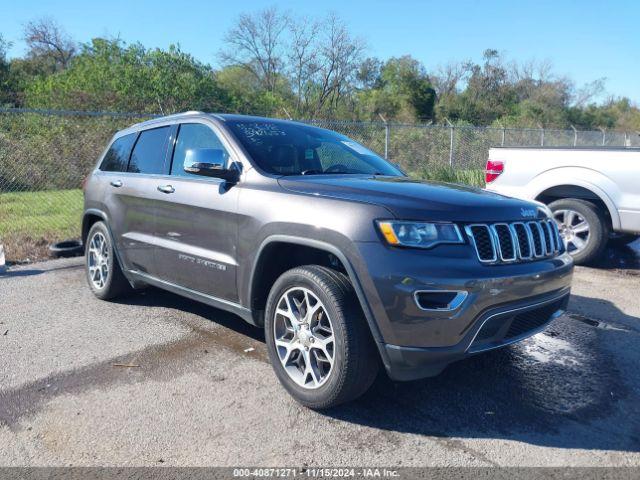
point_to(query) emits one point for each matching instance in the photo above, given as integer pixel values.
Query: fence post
(604, 136)
(541, 135)
(504, 130)
(451, 139)
(575, 136)
(387, 134)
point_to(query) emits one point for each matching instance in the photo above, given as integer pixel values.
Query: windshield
(284, 148)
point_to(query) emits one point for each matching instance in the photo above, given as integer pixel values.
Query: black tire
(598, 227)
(356, 360)
(68, 248)
(116, 284)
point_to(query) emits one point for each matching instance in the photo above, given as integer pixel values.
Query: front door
(196, 225)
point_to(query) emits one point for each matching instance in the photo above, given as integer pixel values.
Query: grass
(30, 221)
(472, 177)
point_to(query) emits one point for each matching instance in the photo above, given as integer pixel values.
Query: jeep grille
(515, 242)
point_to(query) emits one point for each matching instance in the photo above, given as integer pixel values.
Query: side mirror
(210, 162)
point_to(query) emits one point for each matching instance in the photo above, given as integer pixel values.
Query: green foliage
(107, 75)
(400, 91)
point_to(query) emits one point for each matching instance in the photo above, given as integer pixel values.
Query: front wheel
(318, 341)
(583, 228)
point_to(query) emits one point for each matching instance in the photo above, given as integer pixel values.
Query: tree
(256, 43)
(48, 44)
(339, 55)
(5, 93)
(108, 75)
(402, 91)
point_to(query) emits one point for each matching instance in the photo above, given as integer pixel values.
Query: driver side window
(192, 136)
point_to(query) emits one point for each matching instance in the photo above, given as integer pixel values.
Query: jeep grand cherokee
(345, 262)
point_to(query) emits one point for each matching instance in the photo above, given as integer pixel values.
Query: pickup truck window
(286, 148)
(117, 156)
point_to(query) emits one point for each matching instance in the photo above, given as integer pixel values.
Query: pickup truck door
(196, 221)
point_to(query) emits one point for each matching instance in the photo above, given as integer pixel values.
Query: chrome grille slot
(536, 236)
(514, 242)
(523, 240)
(553, 241)
(504, 242)
(482, 240)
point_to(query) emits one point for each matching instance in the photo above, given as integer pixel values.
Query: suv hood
(410, 199)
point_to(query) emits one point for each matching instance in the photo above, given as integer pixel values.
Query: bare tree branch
(47, 40)
(256, 43)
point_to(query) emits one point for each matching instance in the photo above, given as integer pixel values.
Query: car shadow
(28, 272)
(561, 388)
(154, 297)
(620, 257)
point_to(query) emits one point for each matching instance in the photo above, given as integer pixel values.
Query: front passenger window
(193, 136)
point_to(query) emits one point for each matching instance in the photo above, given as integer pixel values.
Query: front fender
(346, 253)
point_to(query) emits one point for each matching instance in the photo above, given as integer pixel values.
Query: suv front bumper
(494, 329)
(502, 304)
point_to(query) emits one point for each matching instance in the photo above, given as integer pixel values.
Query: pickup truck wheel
(318, 341)
(583, 228)
(101, 265)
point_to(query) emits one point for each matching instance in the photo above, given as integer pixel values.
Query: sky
(585, 40)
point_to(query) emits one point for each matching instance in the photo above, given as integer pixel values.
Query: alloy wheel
(98, 260)
(573, 228)
(303, 336)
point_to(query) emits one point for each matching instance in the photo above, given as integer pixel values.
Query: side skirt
(220, 303)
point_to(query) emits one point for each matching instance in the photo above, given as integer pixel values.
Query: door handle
(166, 188)
(116, 183)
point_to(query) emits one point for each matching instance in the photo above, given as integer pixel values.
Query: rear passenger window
(148, 154)
(193, 136)
(117, 156)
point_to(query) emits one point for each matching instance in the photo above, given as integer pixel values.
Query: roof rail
(168, 117)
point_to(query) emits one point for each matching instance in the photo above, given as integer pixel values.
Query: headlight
(419, 234)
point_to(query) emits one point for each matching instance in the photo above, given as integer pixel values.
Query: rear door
(196, 226)
(134, 197)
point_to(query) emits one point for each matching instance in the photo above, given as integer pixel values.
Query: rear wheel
(101, 265)
(583, 228)
(318, 341)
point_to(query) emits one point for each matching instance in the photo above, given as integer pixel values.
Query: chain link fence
(45, 155)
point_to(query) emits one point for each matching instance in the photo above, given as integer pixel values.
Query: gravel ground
(198, 390)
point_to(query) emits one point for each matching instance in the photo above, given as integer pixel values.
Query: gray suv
(345, 262)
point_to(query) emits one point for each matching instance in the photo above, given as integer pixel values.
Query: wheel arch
(265, 270)
(581, 190)
(90, 217)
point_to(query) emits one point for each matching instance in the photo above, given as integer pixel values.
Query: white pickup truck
(594, 193)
